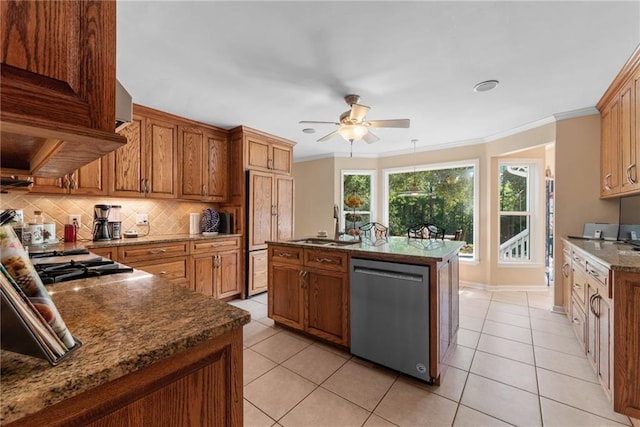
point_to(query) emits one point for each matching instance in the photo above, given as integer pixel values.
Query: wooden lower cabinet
(216, 267)
(175, 269)
(201, 386)
(106, 252)
(309, 291)
(170, 261)
(258, 272)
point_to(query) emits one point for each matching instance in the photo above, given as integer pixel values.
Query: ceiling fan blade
(329, 136)
(317, 122)
(396, 123)
(358, 112)
(370, 138)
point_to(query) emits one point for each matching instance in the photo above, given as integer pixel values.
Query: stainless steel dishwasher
(390, 315)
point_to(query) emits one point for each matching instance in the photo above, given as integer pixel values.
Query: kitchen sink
(327, 242)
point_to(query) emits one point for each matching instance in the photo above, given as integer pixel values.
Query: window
(518, 203)
(441, 194)
(357, 199)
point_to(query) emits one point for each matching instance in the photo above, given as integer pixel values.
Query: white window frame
(475, 163)
(533, 210)
(372, 173)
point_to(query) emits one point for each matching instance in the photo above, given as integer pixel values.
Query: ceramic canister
(49, 232)
(36, 233)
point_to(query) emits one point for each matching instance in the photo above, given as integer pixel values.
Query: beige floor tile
(556, 328)
(471, 303)
(577, 393)
(267, 322)
(555, 414)
(315, 363)
(568, 364)
(510, 297)
(468, 338)
(323, 408)
(547, 314)
(254, 332)
(254, 365)
(501, 401)
(506, 371)
(362, 385)
(254, 417)
(278, 391)
(408, 405)
(280, 347)
(467, 417)
(508, 318)
(376, 421)
(451, 385)
(472, 293)
(479, 312)
(299, 335)
(635, 422)
(520, 310)
(540, 299)
(506, 348)
(471, 323)
(462, 357)
(261, 298)
(503, 330)
(559, 343)
(333, 349)
(256, 309)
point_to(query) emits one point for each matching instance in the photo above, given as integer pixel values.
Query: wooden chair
(459, 234)
(425, 231)
(374, 231)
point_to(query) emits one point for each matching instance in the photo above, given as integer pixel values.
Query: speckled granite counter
(401, 249)
(126, 322)
(613, 255)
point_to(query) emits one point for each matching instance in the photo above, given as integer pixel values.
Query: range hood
(124, 107)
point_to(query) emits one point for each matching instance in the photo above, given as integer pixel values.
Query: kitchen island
(309, 287)
(153, 353)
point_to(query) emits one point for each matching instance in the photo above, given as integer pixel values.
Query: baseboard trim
(560, 310)
(494, 288)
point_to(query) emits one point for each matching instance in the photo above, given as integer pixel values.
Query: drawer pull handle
(162, 273)
(577, 286)
(593, 273)
(284, 254)
(565, 270)
(576, 321)
(158, 251)
(321, 260)
(629, 179)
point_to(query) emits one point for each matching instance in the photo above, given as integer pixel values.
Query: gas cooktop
(56, 272)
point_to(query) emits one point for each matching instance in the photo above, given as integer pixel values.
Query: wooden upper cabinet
(266, 153)
(620, 127)
(203, 164)
(90, 180)
(57, 86)
(146, 166)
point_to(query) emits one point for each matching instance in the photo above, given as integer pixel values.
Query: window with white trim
(358, 202)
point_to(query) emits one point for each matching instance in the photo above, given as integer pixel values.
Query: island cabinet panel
(626, 343)
(198, 387)
(444, 315)
(309, 291)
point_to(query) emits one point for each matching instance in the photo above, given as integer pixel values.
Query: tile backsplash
(165, 216)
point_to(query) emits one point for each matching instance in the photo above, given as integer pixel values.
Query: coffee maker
(101, 223)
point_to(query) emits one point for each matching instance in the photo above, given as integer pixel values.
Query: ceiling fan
(353, 126)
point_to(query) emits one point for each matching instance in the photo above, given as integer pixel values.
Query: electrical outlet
(75, 219)
(142, 219)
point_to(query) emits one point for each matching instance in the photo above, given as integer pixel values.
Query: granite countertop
(125, 322)
(401, 247)
(616, 256)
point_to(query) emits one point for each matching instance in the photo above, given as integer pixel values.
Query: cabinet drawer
(598, 276)
(205, 246)
(136, 253)
(174, 269)
(577, 260)
(578, 322)
(579, 285)
(332, 260)
(285, 255)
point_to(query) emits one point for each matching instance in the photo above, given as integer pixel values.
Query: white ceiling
(268, 65)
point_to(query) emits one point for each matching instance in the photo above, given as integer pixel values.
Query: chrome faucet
(336, 217)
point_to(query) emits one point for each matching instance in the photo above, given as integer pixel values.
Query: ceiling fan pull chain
(351, 154)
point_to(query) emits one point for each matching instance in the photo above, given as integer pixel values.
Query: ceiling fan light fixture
(486, 86)
(353, 132)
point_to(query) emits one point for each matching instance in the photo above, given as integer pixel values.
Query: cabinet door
(284, 208)
(90, 179)
(592, 326)
(228, 274)
(126, 170)
(160, 159)
(216, 173)
(604, 342)
(567, 279)
(50, 185)
(285, 295)
(203, 274)
(327, 306)
(258, 272)
(610, 150)
(281, 158)
(261, 209)
(258, 157)
(629, 172)
(192, 163)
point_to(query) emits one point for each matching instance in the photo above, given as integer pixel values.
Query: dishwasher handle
(386, 273)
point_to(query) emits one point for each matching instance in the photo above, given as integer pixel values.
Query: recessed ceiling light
(309, 130)
(486, 86)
